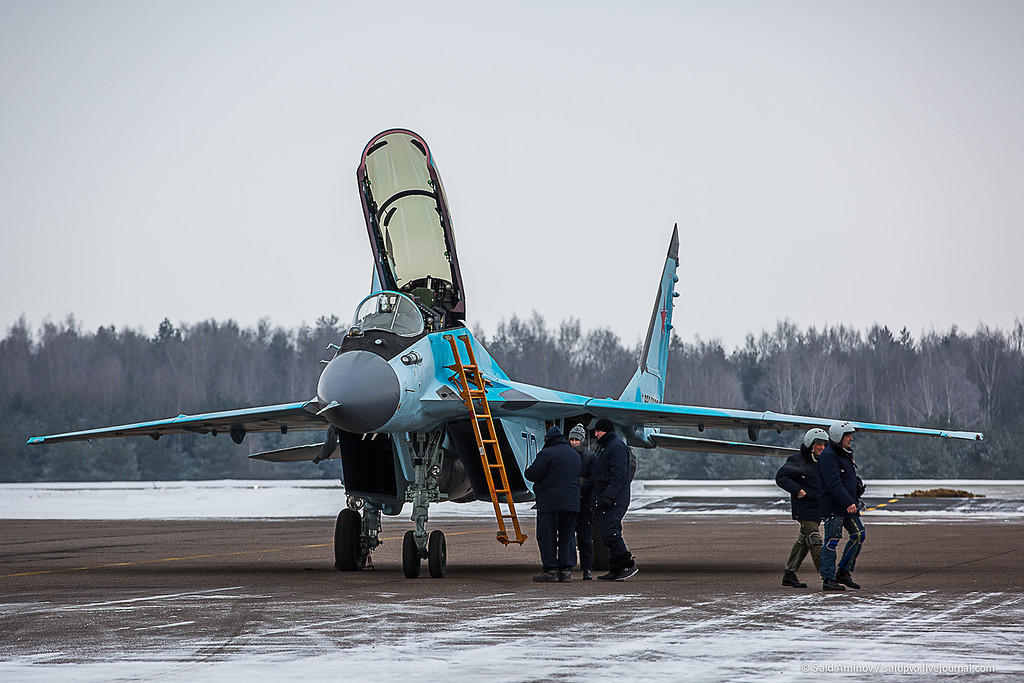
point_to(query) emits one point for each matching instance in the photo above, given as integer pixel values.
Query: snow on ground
(512, 637)
(273, 499)
(523, 635)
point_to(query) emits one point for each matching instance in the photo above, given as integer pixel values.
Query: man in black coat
(799, 475)
(585, 519)
(611, 491)
(840, 491)
(556, 484)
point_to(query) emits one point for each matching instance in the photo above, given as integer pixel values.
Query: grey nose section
(365, 388)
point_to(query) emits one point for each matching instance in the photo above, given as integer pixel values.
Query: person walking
(799, 476)
(556, 485)
(585, 518)
(840, 493)
(611, 491)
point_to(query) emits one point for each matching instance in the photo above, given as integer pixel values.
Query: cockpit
(390, 312)
(409, 225)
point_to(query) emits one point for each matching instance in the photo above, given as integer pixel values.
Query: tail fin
(648, 384)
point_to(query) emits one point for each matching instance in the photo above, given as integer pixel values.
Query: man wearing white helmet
(799, 475)
(840, 491)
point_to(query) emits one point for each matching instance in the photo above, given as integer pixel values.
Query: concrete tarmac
(676, 553)
(173, 594)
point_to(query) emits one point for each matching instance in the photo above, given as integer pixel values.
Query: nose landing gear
(436, 555)
(423, 491)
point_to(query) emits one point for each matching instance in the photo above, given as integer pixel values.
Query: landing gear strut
(421, 493)
(356, 536)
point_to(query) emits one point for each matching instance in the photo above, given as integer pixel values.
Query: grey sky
(826, 162)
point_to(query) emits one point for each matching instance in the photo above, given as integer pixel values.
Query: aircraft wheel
(410, 556)
(348, 551)
(437, 553)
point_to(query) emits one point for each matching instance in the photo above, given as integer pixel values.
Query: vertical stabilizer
(648, 384)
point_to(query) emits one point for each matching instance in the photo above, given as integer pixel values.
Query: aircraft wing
(690, 444)
(283, 417)
(669, 415)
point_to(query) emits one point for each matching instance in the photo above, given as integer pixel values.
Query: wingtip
(36, 439)
(673, 246)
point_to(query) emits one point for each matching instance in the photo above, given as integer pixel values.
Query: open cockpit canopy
(406, 214)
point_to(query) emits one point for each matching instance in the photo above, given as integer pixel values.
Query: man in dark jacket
(799, 475)
(840, 491)
(556, 484)
(585, 519)
(611, 491)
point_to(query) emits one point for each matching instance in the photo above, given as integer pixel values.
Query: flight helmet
(838, 430)
(816, 434)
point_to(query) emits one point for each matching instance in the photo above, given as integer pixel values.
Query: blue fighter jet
(417, 410)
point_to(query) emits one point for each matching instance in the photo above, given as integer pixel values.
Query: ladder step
(473, 391)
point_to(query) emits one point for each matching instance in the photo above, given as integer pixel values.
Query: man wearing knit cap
(556, 484)
(585, 519)
(611, 491)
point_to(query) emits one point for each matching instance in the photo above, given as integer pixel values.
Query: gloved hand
(605, 503)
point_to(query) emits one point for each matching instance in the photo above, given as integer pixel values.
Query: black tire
(410, 556)
(437, 553)
(348, 551)
(601, 560)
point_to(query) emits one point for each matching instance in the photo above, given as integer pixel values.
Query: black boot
(547, 577)
(844, 577)
(616, 563)
(789, 579)
(627, 572)
(831, 585)
(587, 575)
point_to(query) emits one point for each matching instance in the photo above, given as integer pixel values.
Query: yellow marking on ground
(206, 556)
(881, 505)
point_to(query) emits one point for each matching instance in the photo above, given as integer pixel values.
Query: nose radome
(365, 388)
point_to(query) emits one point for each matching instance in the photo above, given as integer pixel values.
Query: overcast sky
(827, 162)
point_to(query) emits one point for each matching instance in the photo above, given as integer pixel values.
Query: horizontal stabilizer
(693, 444)
(302, 453)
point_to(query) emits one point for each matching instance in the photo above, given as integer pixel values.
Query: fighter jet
(416, 409)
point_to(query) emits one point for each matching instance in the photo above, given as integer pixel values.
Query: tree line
(60, 378)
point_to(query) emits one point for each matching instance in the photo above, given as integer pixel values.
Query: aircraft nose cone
(365, 387)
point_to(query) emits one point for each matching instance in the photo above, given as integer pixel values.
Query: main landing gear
(416, 546)
(356, 536)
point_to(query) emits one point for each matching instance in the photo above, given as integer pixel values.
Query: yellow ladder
(474, 395)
